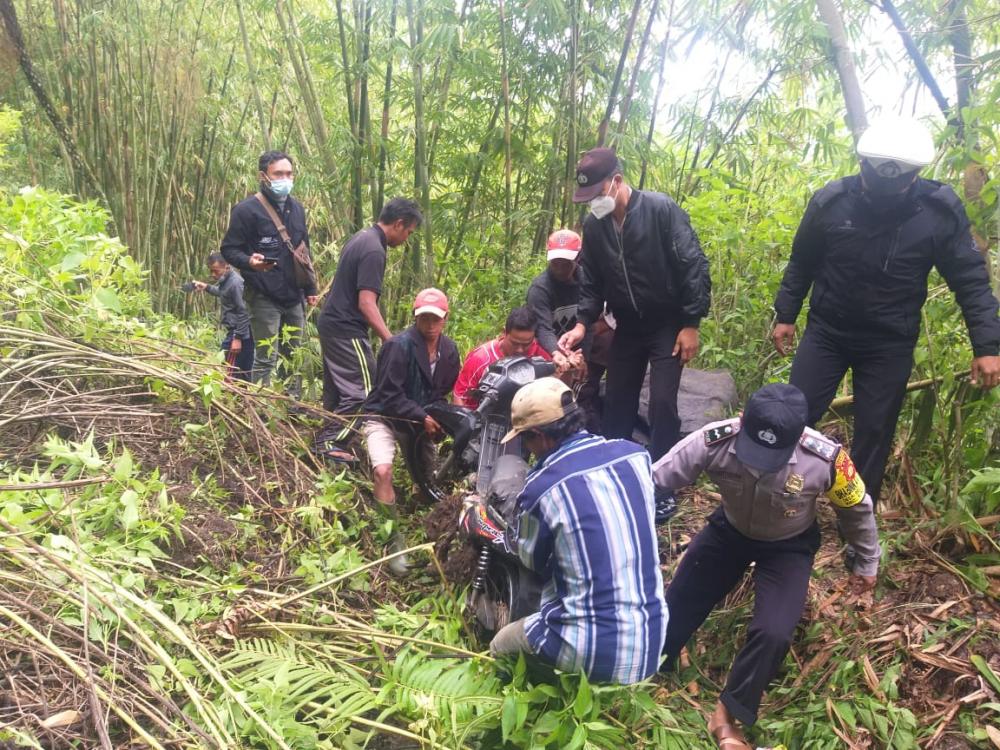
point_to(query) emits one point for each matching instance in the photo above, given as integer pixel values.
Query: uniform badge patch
(848, 488)
(791, 512)
(794, 484)
(722, 432)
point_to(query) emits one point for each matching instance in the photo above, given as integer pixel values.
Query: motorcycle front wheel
(433, 466)
(491, 608)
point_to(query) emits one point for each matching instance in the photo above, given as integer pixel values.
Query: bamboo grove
(478, 109)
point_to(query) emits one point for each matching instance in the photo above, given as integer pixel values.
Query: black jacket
(252, 231)
(403, 381)
(555, 304)
(868, 271)
(654, 271)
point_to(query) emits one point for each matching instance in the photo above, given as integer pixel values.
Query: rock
(705, 396)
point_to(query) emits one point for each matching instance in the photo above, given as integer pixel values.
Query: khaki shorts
(380, 440)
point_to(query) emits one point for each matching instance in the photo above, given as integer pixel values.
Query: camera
(187, 287)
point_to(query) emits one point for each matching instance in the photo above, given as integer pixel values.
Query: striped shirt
(586, 524)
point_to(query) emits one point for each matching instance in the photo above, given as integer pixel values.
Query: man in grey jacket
(233, 316)
(770, 470)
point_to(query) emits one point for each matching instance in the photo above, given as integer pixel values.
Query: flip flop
(337, 456)
(727, 737)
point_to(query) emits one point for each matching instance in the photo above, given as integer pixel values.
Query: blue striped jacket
(586, 524)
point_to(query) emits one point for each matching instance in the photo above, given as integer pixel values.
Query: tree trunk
(423, 267)
(975, 176)
(472, 191)
(307, 92)
(569, 176)
(664, 47)
(442, 100)
(843, 60)
(602, 130)
(84, 173)
(386, 101)
(357, 212)
(637, 68)
(505, 89)
(265, 134)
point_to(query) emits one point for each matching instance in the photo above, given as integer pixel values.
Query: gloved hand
(476, 522)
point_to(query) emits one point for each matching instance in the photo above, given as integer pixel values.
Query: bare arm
(368, 305)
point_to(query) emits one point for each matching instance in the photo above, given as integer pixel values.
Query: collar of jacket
(633, 203)
(880, 222)
(423, 358)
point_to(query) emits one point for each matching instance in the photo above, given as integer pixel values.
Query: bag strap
(277, 221)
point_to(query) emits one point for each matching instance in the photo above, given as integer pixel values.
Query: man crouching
(770, 469)
(585, 524)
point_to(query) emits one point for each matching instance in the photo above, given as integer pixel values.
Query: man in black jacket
(416, 368)
(253, 244)
(865, 246)
(641, 255)
(553, 296)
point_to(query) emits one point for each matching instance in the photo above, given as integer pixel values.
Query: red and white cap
(431, 300)
(565, 244)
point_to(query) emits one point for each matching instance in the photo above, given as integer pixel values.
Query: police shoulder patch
(722, 432)
(821, 446)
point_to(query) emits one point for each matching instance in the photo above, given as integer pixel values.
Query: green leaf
(984, 669)
(578, 739)
(584, 699)
(508, 716)
(108, 299)
(130, 508)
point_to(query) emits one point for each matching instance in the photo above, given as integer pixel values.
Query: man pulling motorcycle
(584, 522)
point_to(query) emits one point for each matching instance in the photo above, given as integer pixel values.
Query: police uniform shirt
(782, 504)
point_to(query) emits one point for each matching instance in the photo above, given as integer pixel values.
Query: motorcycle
(472, 436)
(502, 590)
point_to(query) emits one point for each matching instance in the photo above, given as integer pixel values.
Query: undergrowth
(176, 572)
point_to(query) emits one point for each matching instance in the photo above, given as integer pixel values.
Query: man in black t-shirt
(350, 309)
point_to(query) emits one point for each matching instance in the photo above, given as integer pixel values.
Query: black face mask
(885, 194)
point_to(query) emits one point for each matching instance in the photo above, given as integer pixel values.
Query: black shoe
(665, 506)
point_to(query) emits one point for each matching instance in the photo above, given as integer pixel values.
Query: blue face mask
(281, 188)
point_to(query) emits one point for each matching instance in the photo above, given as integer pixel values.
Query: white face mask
(603, 205)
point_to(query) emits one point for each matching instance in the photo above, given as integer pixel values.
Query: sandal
(727, 736)
(337, 456)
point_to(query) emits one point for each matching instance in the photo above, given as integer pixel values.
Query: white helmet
(895, 146)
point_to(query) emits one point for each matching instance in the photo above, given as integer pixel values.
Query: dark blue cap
(772, 424)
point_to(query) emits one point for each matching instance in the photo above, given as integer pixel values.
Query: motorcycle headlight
(522, 373)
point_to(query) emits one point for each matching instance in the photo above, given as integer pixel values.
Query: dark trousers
(880, 369)
(635, 346)
(348, 373)
(238, 366)
(589, 397)
(710, 569)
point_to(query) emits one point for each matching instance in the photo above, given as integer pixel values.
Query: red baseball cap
(431, 300)
(564, 243)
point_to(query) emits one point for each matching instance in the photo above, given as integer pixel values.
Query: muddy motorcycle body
(502, 589)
